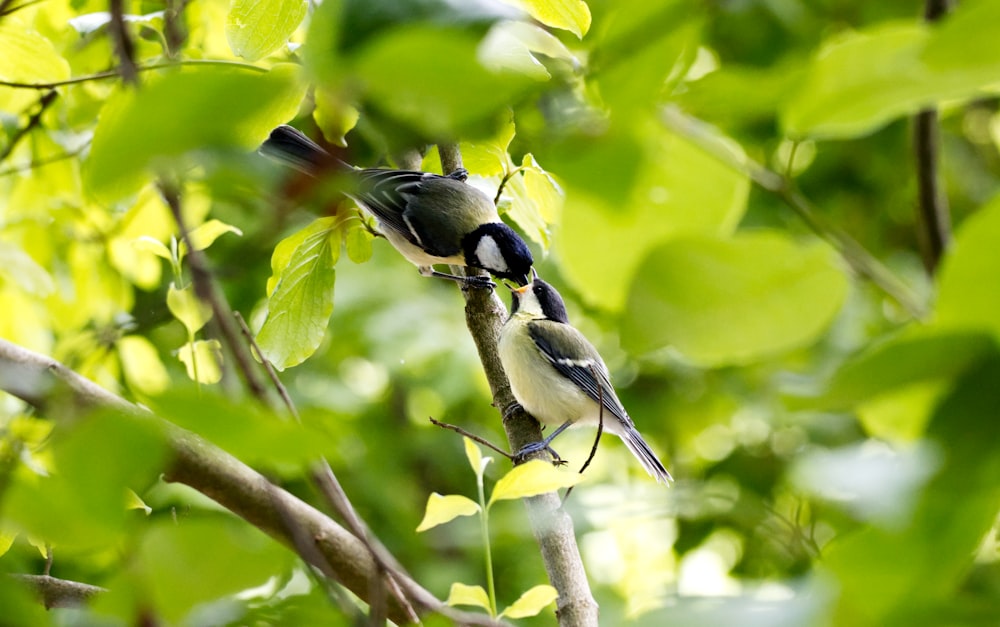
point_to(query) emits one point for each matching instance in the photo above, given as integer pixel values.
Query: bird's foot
(479, 282)
(536, 447)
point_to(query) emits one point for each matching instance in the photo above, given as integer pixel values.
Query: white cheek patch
(489, 255)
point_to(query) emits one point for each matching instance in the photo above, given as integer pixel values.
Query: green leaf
(256, 28)
(969, 293)
(300, 305)
(512, 45)
(6, 541)
(18, 266)
(462, 594)
(411, 72)
(334, 116)
(205, 235)
(28, 57)
(191, 562)
(185, 305)
(152, 245)
(845, 94)
(82, 504)
(474, 455)
(443, 508)
(536, 200)
(676, 178)
(133, 501)
(571, 15)
(488, 157)
(203, 360)
(531, 602)
(733, 301)
(916, 357)
(532, 478)
(358, 243)
(170, 116)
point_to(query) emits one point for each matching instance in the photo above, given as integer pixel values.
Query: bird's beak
(520, 290)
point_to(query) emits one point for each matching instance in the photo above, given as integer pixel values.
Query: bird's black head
(539, 299)
(496, 248)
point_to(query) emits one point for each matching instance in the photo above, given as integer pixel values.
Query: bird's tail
(289, 146)
(645, 455)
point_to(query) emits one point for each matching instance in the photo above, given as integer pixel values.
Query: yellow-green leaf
(132, 501)
(203, 360)
(488, 157)
(256, 28)
(533, 478)
(301, 302)
(28, 56)
(6, 541)
(475, 457)
(358, 242)
(203, 236)
(126, 144)
(442, 508)
(334, 116)
(531, 602)
(571, 15)
(141, 365)
(188, 308)
(151, 245)
(461, 594)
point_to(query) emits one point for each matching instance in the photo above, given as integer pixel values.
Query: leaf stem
(141, 68)
(484, 524)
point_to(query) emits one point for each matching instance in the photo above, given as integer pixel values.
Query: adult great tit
(429, 218)
(559, 377)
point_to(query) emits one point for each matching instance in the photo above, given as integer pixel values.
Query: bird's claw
(535, 447)
(479, 281)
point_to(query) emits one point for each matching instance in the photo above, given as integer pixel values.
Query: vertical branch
(551, 525)
(122, 43)
(933, 216)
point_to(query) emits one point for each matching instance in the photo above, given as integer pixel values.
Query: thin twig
(41, 163)
(503, 183)
(472, 436)
(933, 214)
(142, 68)
(55, 592)
(268, 367)
(34, 120)
(854, 254)
(6, 9)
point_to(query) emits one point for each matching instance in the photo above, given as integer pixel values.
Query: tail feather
(292, 148)
(646, 456)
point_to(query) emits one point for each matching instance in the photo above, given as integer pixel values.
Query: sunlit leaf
(185, 305)
(474, 455)
(154, 246)
(680, 190)
(511, 45)
(488, 157)
(28, 56)
(531, 602)
(533, 478)
(204, 235)
(462, 594)
(443, 508)
(141, 364)
(203, 360)
(133, 501)
(571, 15)
(126, 143)
(256, 28)
(358, 243)
(300, 306)
(733, 301)
(6, 541)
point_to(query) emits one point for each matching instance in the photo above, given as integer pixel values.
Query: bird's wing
(384, 193)
(555, 341)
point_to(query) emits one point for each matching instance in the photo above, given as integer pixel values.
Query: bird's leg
(543, 445)
(476, 281)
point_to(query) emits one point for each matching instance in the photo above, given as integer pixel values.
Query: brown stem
(34, 120)
(122, 42)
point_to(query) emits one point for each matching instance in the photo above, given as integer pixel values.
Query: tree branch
(933, 215)
(121, 41)
(552, 526)
(55, 592)
(34, 120)
(59, 392)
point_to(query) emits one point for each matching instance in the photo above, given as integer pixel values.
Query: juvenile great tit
(559, 377)
(429, 218)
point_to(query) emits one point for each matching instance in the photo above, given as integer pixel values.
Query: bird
(558, 376)
(429, 218)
